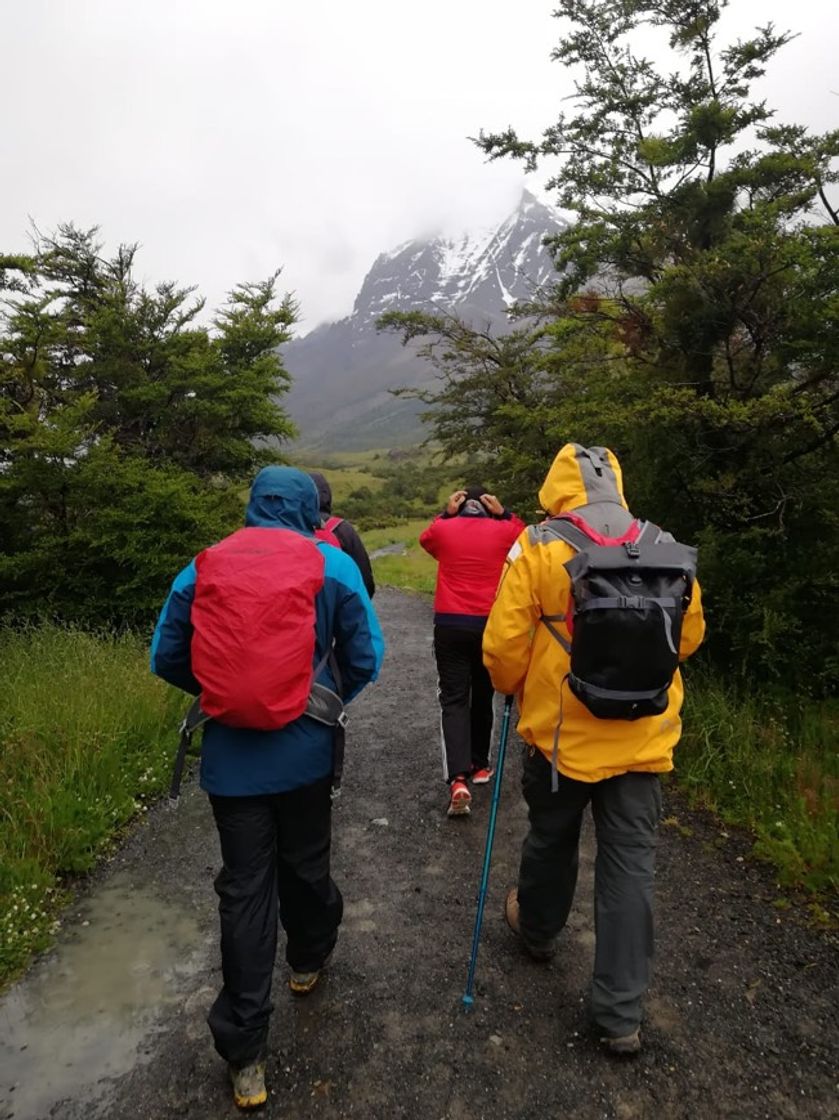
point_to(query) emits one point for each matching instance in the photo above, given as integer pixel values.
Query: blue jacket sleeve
(170, 647)
(359, 643)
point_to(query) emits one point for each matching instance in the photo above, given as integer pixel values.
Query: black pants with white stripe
(466, 693)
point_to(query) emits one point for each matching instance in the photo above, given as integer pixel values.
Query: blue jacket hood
(282, 497)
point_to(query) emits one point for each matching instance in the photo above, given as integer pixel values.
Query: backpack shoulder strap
(547, 620)
(648, 534)
(654, 534)
(559, 529)
(332, 524)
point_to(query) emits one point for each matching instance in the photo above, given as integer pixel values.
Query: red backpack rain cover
(253, 617)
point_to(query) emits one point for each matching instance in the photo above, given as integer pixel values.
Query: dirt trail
(740, 1021)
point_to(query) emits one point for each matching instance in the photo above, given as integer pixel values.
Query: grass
(414, 570)
(768, 763)
(403, 532)
(87, 737)
(344, 480)
(371, 459)
(380, 488)
(349, 470)
(339, 460)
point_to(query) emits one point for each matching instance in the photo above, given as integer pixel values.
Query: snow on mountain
(490, 269)
(342, 371)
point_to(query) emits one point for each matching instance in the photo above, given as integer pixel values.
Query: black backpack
(629, 599)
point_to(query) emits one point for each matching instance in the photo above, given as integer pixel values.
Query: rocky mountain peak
(485, 271)
(343, 371)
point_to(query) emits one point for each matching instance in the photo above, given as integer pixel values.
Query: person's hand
(492, 504)
(455, 501)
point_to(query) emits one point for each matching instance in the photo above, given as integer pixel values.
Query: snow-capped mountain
(488, 271)
(342, 371)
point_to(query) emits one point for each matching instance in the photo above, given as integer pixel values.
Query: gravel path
(740, 1021)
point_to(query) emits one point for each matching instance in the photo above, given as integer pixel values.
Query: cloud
(231, 139)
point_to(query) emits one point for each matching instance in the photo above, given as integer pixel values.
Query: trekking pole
(193, 719)
(468, 998)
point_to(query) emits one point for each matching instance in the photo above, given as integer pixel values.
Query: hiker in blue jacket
(270, 792)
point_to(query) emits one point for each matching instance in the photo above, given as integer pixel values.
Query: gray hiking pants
(626, 811)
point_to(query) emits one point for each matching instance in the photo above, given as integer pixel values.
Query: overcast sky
(230, 137)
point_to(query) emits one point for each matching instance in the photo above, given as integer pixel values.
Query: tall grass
(86, 737)
(768, 762)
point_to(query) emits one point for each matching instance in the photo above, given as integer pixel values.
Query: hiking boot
(460, 804)
(301, 983)
(249, 1085)
(539, 950)
(625, 1045)
(482, 775)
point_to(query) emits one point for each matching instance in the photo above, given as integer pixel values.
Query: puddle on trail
(83, 1014)
(398, 549)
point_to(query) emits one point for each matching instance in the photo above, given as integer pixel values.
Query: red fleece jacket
(470, 554)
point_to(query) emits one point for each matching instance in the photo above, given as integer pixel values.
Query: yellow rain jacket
(524, 658)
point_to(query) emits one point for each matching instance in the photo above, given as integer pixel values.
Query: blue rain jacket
(237, 762)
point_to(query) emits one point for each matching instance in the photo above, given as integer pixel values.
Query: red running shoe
(460, 804)
(482, 775)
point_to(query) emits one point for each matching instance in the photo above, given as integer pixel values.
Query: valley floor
(740, 1019)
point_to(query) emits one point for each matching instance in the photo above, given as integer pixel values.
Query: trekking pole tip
(467, 1000)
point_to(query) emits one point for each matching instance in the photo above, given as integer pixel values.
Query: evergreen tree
(127, 430)
(694, 323)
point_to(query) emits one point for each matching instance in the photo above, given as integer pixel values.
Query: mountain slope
(342, 371)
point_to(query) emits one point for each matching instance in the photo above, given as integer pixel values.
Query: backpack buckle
(631, 602)
(632, 549)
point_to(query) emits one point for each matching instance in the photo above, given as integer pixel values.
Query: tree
(126, 428)
(485, 382)
(694, 322)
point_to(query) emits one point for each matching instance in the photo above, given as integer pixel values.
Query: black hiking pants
(466, 694)
(275, 849)
(626, 811)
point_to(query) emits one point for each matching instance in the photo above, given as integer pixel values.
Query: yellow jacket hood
(579, 476)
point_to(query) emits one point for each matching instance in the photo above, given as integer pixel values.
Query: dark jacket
(348, 538)
(240, 762)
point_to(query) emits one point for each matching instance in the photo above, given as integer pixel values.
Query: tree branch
(833, 215)
(808, 449)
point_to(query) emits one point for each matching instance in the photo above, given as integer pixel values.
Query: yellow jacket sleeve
(513, 619)
(693, 625)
